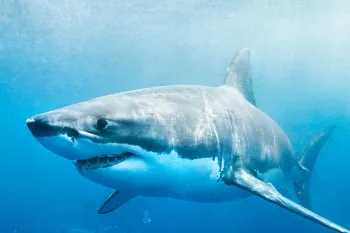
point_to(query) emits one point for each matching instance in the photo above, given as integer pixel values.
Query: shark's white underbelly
(170, 176)
(209, 191)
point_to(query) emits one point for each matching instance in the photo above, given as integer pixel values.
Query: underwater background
(55, 53)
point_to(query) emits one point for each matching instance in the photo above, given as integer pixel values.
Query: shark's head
(120, 132)
(127, 139)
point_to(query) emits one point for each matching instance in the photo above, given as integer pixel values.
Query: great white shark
(194, 143)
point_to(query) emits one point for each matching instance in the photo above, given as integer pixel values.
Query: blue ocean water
(55, 53)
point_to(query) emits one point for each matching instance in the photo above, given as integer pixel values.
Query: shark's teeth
(101, 161)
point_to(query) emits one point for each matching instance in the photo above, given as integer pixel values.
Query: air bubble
(146, 217)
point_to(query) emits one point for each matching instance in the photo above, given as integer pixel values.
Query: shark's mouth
(101, 161)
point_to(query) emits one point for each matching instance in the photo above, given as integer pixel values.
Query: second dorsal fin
(239, 75)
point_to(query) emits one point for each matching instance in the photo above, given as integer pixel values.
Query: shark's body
(195, 143)
(197, 130)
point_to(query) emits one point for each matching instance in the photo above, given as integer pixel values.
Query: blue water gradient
(55, 53)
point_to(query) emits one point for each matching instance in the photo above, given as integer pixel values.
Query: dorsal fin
(239, 75)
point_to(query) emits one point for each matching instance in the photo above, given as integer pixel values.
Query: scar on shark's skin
(195, 143)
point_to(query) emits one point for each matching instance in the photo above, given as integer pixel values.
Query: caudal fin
(307, 161)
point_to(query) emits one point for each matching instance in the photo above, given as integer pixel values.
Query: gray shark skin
(195, 143)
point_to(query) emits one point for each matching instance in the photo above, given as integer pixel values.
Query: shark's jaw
(113, 165)
(102, 161)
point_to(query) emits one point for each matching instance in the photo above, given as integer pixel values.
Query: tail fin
(307, 162)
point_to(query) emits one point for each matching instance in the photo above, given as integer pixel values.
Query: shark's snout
(58, 136)
(40, 127)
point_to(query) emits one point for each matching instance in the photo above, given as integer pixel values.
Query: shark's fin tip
(114, 201)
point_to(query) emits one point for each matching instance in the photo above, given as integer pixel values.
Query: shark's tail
(307, 162)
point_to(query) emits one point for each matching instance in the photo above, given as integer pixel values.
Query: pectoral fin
(115, 200)
(268, 192)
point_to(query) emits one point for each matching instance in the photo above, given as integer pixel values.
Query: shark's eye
(102, 123)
